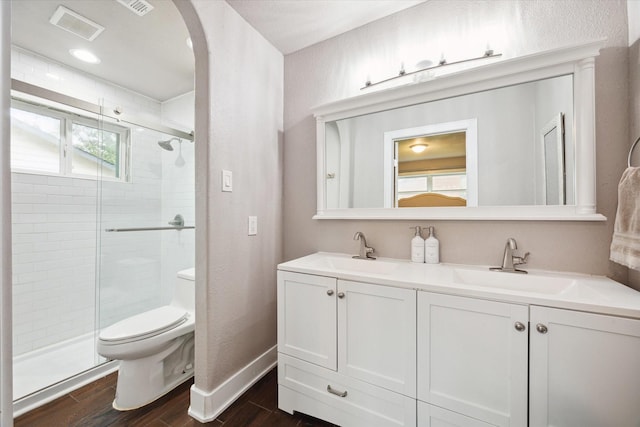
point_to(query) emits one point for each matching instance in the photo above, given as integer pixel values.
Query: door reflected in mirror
(553, 169)
(430, 171)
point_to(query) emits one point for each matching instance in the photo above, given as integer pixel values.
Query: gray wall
(634, 98)
(239, 107)
(337, 68)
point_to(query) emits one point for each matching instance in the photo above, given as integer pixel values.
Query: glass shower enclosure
(92, 199)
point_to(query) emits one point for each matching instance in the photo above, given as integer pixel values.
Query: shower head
(166, 145)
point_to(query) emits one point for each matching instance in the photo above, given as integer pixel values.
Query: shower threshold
(45, 374)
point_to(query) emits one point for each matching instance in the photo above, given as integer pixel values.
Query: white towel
(625, 245)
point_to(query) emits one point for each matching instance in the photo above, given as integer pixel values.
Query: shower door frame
(6, 333)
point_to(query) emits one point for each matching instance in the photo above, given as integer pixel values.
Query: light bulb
(418, 148)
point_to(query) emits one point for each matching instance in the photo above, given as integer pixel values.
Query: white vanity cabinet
(346, 350)
(584, 369)
(474, 356)
(398, 344)
(472, 361)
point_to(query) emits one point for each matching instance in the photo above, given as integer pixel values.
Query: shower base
(50, 372)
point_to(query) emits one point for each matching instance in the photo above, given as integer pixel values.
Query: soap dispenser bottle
(417, 246)
(431, 248)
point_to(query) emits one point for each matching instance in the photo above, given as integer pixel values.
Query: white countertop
(595, 294)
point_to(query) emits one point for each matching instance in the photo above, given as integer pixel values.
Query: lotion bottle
(431, 248)
(417, 246)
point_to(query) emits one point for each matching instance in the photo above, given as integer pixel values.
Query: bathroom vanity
(388, 342)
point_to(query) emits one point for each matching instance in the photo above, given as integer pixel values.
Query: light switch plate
(253, 225)
(227, 180)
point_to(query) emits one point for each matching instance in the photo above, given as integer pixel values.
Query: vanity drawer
(434, 416)
(333, 397)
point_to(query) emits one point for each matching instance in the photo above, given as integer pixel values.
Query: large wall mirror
(509, 140)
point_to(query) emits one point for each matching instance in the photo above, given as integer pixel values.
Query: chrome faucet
(365, 251)
(509, 260)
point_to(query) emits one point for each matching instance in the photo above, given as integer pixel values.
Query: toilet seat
(144, 325)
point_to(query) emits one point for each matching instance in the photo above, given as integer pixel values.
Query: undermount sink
(369, 266)
(513, 281)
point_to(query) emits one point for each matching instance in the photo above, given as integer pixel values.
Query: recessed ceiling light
(85, 55)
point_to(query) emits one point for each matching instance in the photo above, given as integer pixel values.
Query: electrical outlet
(253, 225)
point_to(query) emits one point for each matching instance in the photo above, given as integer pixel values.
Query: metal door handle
(336, 392)
(330, 292)
(340, 294)
(520, 326)
(541, 328)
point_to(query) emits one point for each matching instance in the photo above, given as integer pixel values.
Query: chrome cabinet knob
(340, 294)
(541, 328)
(520, 326)
(330, 292)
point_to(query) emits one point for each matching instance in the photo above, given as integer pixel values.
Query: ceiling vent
(75, 23)
(139, 7)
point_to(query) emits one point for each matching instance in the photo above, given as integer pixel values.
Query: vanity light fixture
(488, 53)
(368, 81)
(418, 148)
(84, 55)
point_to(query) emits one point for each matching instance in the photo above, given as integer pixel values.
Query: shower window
(35, 141)
(58, 143)
(91, 146)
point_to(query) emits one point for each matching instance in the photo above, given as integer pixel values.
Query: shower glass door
(139, 253)
(56, 165)
(78, 176)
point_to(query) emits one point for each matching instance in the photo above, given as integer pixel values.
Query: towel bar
(631, 152)
(120, 230)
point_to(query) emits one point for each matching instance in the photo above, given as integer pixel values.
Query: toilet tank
(185, 290)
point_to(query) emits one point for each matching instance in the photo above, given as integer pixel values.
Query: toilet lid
(145, 325)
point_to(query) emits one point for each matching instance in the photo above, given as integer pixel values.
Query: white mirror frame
(577, 60)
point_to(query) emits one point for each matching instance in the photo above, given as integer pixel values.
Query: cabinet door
(585, 369)
(307, 317)
(472, 357)
(377, 335)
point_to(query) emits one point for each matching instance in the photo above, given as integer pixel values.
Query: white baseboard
(207, 405)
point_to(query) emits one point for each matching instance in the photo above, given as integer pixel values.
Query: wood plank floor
(91, 406)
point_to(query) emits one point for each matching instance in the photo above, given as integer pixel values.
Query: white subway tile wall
(60, 248)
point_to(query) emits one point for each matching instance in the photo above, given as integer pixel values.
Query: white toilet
(155, 348)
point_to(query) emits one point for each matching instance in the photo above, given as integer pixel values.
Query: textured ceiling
(149, 55)
(291, 25)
